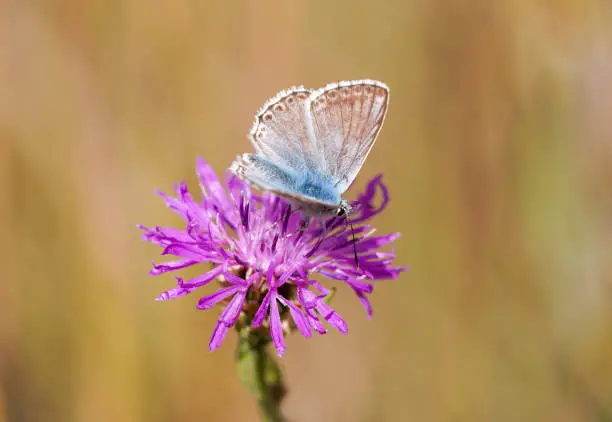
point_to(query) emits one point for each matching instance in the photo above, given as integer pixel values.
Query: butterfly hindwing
(308, 191)
(264, 174)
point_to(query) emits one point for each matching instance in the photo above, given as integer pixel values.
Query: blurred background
(497, 150)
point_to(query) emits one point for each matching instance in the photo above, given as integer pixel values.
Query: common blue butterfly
(310, 145)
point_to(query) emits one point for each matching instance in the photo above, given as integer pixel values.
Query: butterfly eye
(340, 212)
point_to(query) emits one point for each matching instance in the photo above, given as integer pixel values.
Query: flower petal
(231, 278)
(185, 288)
(332, 317)
(218, 336)
(232, 311)
(365, 302)
(301, 322)
(209, 183)
(309, 301)
(236, 187)
(164, 236)
(367, 208)
(306, 298)
(173, 293)
(313, 321)
(202, 279)
(376, 242)
(260, 315)
(174, 204)
(171, 266)
(360, 285)
(382, 271)
(276, 330)
(208, 302)
(186, 251)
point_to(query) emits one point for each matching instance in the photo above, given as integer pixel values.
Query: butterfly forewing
(281, 132)
(346, 118)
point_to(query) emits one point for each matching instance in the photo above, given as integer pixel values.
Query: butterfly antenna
(350, 223)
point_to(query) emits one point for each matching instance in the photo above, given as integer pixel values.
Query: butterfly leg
(304, 224)
(283, 218)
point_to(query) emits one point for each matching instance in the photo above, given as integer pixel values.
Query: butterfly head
(344, 209)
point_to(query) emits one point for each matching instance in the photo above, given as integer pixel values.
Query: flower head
(264, 256)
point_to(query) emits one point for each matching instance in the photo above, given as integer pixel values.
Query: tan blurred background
(497, 150)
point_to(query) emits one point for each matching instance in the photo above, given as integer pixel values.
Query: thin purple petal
(314, 322)
(232, 311)
(209, 182)
(185, 288)
(174, 204)
(202, 279)
(171, 266)
(332, 317)
(367, 208)
(360, 285)
(186, 251)
(262, 311)
(276, 330)
(365, 302)
(218, 336)
(208, 302)
(301, 322)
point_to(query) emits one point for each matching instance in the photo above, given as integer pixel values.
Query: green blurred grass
(497, 150)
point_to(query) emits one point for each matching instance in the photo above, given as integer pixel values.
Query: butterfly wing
(282, 133)
(264, 174)
(345, 118)
(260, 172)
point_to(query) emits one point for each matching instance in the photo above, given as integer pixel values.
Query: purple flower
(264, 256)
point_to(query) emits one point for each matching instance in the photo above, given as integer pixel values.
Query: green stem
(260, 374)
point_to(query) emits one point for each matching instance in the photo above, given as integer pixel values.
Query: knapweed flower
(265, 256)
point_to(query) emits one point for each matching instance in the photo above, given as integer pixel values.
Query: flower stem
(260, 374)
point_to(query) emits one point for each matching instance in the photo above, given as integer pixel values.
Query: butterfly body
(310, 145)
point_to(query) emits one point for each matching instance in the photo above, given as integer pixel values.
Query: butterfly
(310, 144)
